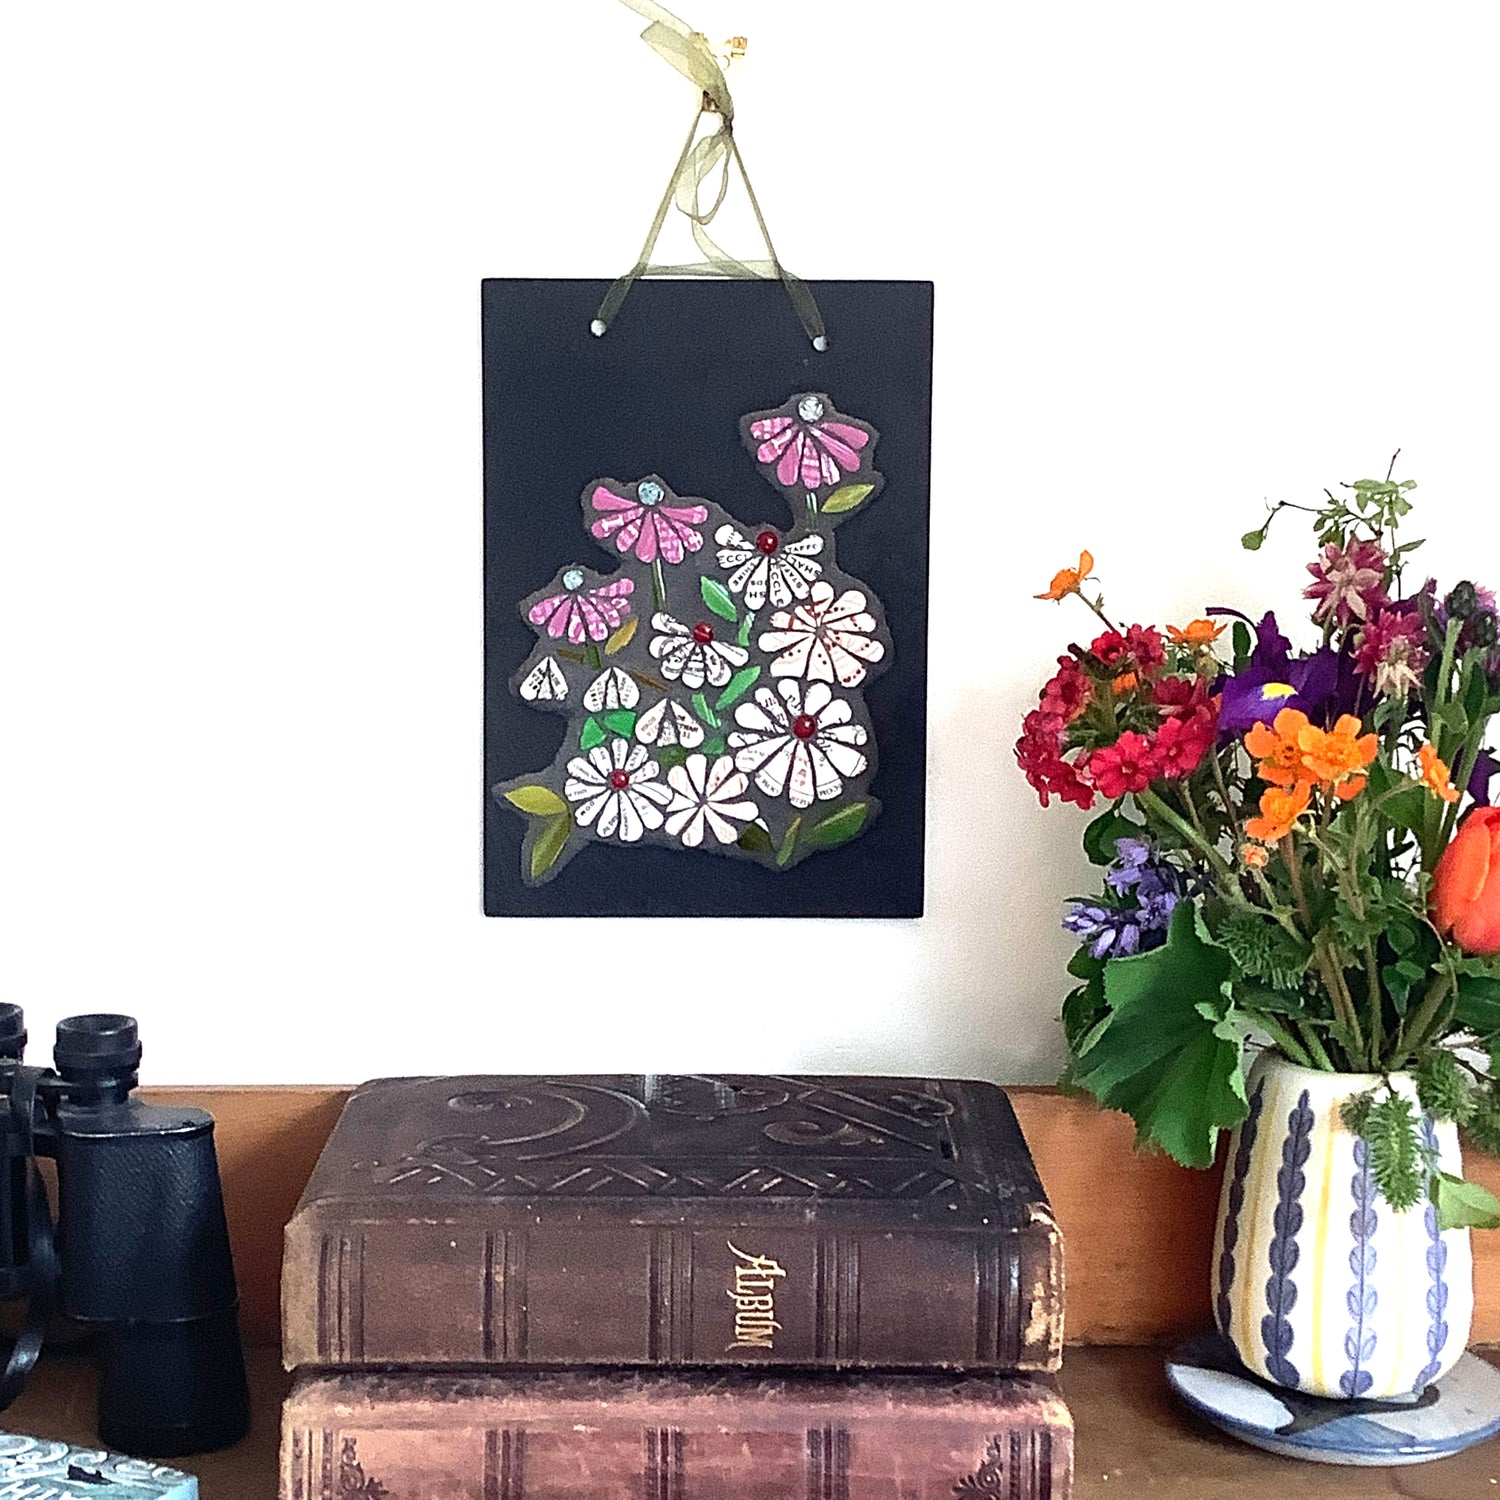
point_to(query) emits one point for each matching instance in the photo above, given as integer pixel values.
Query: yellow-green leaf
(737, 687)
(549, 844)
(788, 842)
(539, 801)
(839, 827)
(622, 637)
(847, 498)
(755, 840)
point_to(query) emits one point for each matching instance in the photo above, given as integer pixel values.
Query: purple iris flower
(1484, 772)
(1273, 680)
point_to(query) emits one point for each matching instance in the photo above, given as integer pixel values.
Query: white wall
(1187, 257)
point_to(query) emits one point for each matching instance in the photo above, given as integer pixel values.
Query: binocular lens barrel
(98, 1051)
(12, 1032)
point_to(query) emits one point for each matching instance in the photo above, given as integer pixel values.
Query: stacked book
(674, 1287)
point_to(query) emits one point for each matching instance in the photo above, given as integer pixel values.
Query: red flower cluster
(1177, 717)
(1039, 751)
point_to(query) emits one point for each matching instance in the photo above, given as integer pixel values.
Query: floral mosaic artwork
(713, 681)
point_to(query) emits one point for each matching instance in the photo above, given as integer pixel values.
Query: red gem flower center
(768, 542)
(703, 632)
(619, 780)
(804, 726)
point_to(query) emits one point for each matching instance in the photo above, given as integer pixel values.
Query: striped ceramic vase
(1317, 1282)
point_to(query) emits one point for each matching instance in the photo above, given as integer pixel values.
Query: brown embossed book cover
(675, 1220)
(701, 1435)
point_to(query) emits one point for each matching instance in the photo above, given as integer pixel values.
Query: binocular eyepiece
(97, 1057)
(141, 1252)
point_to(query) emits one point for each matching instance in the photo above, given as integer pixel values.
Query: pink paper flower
(578, 611)
(648, 522)
(810, 446)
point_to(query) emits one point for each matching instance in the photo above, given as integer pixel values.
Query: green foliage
(840, 827)
(1463, 1205)
(539, 801)
(1396, 1161)
(755, 840)
(847, 498)
(1168, 1049)
(704, 712)
(550, 843)
(1355, 1111)
(737, 687)
(1443, 1087)
(1262, 948)
(1100, 837)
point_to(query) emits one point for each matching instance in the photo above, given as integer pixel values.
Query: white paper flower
(804, 746)
(707, 796)
(612, 688)
(826, 639)
(616, 783)
(669, 723)
(545, 682)
(692, 654)
(767, 567)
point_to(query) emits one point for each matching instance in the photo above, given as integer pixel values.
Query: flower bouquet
(1300, 869)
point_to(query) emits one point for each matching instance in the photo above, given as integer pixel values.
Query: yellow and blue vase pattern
(1317, 1282)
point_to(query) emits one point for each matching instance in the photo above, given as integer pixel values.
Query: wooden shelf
(1133, 1441)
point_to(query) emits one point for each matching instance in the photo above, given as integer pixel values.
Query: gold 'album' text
(753, 1295)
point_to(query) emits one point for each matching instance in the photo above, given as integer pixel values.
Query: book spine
(366, 1460)
(426, 1292)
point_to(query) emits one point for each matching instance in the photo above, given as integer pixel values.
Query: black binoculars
(140, 1255)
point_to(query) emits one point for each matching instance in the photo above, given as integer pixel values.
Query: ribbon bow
(691, 55)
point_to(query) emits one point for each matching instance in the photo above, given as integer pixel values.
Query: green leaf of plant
(716, 597)
(1240, 635)
(789, 842)
(539, 801)
(1252, 541)
(1165, 1061)
(742, 635)
(846, 498)
(592, 734)
(704, 712)
(1100, 836)
(549, 844)
(1463, 1205)
(737, 687)
(622, 637)
(754, 839)
(1478, 1004)
(839, 827)
(621, 721)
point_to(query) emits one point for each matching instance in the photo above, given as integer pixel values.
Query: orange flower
(1435, 774)
(1338, 755)
(1254, 857)
(1279, 750)
(1466, 885)
(1280, 807)
(1070, 580)
(1195, 633)
(1126, 682)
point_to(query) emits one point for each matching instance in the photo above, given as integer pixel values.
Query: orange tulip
(1466, 885)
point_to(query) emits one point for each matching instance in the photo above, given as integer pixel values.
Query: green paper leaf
(742, 635)
(549, 844)
(539, 801)
(1169, 1056)
(716, 597)
(839, 827)
(754, 839)
(704, 712)
(1464, 1205)
(737, 687)
(789, 843)
(621, 721)
(1100, 836)
(847, 498)
(592, 734)
(671, 755)
(622, 637)
(713, 746)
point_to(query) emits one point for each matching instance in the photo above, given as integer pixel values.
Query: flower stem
(658, 584)
(1284, 1039)
(812, 507)
(1152, 802)
(594, 659)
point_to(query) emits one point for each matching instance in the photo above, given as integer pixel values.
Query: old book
(664, 1435)
(33, 1468)
(675, 1220)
